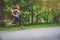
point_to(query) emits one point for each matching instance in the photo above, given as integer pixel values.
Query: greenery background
(33, 11)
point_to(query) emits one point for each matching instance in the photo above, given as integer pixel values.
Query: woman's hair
(16, 7)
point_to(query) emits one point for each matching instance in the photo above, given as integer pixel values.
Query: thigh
(15, 19)
(19, 20)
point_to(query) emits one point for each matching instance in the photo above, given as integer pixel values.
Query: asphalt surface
(32, 34)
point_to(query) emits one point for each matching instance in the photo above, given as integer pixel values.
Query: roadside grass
(15, 27)
(42, 26)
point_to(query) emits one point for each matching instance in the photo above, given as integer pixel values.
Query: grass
(29, 27)
(42, 26)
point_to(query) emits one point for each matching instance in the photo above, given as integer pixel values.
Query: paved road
(32, 34)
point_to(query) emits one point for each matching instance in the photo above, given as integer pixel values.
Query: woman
(16, 13)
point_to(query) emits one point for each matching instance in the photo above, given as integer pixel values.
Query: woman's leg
(15, 20)
(21, 24)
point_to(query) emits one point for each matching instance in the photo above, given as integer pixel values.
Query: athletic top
(17, 13)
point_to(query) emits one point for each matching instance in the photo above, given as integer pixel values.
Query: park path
(32, 34)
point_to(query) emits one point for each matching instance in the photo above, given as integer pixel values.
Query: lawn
(29, 27)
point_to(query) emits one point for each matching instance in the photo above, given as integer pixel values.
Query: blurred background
(33, 11)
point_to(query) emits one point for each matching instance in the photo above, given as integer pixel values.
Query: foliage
(35, 11)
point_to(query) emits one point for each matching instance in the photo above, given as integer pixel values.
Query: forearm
(13, 13)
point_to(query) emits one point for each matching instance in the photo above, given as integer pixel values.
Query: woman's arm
(13, 12)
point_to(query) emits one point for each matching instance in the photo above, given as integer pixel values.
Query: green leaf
(7, 1)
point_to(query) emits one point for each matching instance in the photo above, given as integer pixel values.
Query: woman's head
(16, 7)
